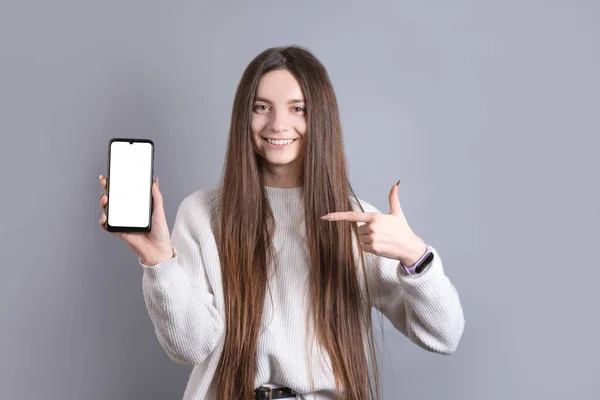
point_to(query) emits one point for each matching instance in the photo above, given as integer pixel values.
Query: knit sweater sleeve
(426, 307)
(178, 296)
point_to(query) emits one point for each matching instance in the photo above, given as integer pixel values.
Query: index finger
(353, 216)
(102, 181)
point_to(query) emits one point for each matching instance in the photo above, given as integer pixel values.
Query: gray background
(488, 111)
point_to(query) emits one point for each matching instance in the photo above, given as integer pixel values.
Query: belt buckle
(269, 389)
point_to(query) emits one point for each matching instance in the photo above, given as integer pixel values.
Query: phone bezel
(112, 228)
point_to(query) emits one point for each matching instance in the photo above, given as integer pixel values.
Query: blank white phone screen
(130, 184)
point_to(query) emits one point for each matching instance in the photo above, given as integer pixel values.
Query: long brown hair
(342, 314)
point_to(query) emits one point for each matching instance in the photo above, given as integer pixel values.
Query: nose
(279, 122)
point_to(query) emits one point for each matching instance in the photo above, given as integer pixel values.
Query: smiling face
(278, 124)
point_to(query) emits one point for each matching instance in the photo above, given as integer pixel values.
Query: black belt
(279, 392)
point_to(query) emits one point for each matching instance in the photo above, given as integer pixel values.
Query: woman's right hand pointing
(151, 247)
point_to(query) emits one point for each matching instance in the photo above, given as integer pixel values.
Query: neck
(283, 176)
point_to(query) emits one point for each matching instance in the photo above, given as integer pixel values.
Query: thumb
(395, 208)
(157, 197)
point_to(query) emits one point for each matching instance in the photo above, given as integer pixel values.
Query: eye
(260, 107)
(299, 109)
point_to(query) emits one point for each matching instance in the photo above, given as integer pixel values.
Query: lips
(279, 142)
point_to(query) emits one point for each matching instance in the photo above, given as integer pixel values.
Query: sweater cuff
(163, 268)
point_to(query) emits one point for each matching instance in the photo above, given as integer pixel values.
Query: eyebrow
(291, 101)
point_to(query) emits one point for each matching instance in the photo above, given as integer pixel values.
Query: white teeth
(280, 142)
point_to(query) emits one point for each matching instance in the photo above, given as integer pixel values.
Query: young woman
(270, 278)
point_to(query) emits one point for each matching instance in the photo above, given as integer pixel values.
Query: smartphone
(129, 186)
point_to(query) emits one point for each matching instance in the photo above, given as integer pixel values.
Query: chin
(278, 158)
(280, 161)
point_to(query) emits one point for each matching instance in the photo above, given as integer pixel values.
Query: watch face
(426, 261)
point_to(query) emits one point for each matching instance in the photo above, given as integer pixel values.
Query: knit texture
(184, 298)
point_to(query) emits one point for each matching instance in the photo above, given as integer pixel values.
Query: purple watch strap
(411, 270)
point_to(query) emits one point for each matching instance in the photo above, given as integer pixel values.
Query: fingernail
(327, 217)
(397, 183)
(100, 177)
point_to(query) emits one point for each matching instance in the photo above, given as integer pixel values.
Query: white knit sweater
(184, 298)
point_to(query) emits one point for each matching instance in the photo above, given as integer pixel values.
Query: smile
(280, 142)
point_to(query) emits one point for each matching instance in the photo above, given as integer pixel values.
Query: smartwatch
(420, 265)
